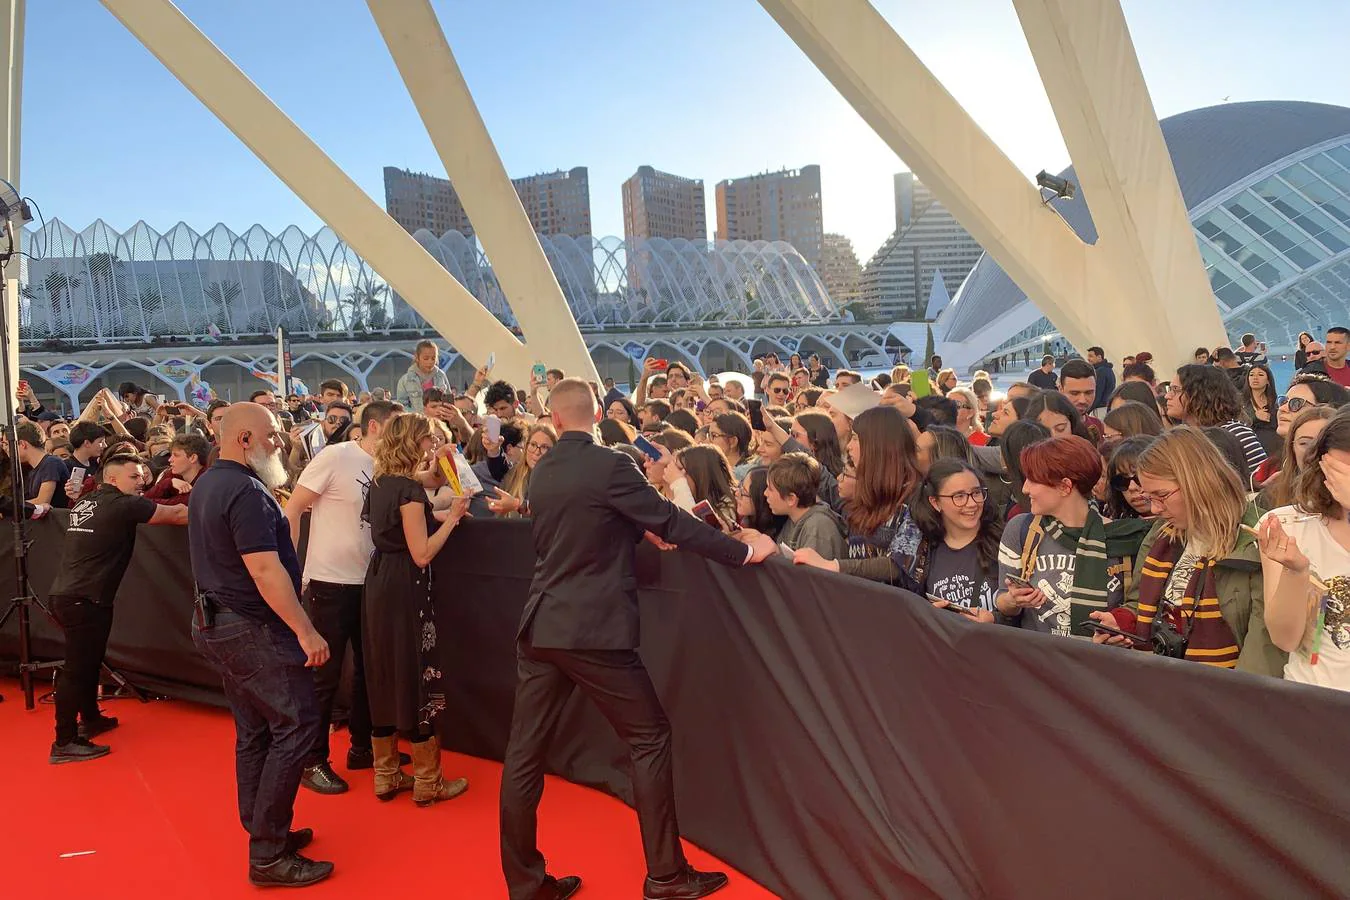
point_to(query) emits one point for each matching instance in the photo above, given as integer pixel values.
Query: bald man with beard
(250, 625)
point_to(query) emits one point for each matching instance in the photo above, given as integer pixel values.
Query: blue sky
(701, 88)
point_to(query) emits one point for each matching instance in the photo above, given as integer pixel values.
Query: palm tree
(222, 295)
(60, 288)
(366, 303)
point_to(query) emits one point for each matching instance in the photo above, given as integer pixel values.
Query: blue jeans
(276, 714)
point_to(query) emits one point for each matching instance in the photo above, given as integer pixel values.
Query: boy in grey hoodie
(791, 491)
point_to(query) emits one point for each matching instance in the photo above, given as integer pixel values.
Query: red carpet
(159, 815)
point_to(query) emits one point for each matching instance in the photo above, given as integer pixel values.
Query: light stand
(15, 209)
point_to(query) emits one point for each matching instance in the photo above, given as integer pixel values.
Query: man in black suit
(590, 506)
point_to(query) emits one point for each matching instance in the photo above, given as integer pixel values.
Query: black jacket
(1106, 383)
(590, 506)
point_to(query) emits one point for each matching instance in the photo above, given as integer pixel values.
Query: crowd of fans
(1198, 513)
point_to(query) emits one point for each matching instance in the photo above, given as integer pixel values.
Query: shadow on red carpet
(159, 816)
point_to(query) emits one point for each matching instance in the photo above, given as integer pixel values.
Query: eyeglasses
(539, 448)
(741, 491)
(848, 473)
(1295, 404)
(963, 406)
(337, 420)
(964, 498)
(1160, 499)
(714, 435)
(780, 390)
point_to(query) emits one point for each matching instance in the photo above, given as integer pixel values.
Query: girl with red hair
(1062, 561)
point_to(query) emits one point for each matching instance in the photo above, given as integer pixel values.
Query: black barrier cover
(837, 739)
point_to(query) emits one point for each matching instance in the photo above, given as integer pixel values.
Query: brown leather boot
(431, 787)
(389, 778)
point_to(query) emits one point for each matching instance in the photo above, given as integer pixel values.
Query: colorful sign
(635, 350)
(68, 375)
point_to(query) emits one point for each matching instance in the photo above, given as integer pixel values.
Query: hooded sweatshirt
(1106, 383)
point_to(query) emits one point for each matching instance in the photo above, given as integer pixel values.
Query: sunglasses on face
(1122, 481)
(1295, 404)
(337, 420)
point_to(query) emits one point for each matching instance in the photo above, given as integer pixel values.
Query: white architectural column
(11, 119)
(1148, 251)
(1142, 284)
(225, 90)
(437, 87)
(895, 93)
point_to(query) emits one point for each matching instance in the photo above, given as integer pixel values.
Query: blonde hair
(517, 481)
(900, 375)
(968, 395)
(1212, 491)
(399, 449)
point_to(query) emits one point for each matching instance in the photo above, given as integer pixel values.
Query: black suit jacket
(590, 506)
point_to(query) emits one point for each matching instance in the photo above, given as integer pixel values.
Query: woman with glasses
(1124, 497)
(1205, 396)
(1063, 561)
(621, 409)
(1305, 558)
(510, 499)
(1199, 584)
(1278, 489)
(1305, 392)
(969, 421)
(752, 507)
(730, 432)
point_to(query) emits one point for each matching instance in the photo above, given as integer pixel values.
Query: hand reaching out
(808, 556)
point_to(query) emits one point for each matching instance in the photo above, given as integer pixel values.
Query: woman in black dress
(403, 678)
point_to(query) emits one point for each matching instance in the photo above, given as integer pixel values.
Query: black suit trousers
(618, 683)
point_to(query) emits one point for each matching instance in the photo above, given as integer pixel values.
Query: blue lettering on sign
(635, 350)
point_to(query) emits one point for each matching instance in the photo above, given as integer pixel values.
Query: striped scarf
(1095, 544)
(1198, 616)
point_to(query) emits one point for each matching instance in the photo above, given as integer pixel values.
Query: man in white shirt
(333, 488)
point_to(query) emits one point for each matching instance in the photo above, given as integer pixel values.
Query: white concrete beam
(225, 90)
(895, 93)
(424, 58)
(11, 120)
(1149, 288)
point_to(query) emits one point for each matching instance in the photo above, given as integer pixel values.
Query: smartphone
(647, 447)
(704, 510)
(493, 426)
(919, 385)
(540, 372)
(1094, 625)
(756, 408)
(661, 365)
(491, 361)
(77, 475)
(1018, 581)
(786, 551)
(23, 386)
(950, 607)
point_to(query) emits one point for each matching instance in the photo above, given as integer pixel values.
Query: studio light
(1062, 188)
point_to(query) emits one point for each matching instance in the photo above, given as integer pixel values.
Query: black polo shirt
(99, 542)
(232, 514)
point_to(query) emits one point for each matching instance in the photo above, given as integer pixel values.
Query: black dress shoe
(558, 888)
(77, 750)
(92, 728)
(689, 885)
(291, 870)
(298, 840)
(364, 758)
(321, 779)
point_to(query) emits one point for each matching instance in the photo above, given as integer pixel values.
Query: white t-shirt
(1331, 562)
(339, 546)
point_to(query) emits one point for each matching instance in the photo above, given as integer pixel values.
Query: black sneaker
(364, 758)
(558, 888)
(92, 728)
(321, 779)
(77, 750)
(298, 840)
(291, 870)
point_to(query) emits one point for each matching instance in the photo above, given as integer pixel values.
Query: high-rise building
(774, 206)
(840, 270)
(661, 205)
(927, 241)
(556, 202)
(418, 200)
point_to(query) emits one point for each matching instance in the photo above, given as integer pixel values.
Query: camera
(1167, 641)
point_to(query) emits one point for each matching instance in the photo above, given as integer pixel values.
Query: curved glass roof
(1268, 188)
(103, 285)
